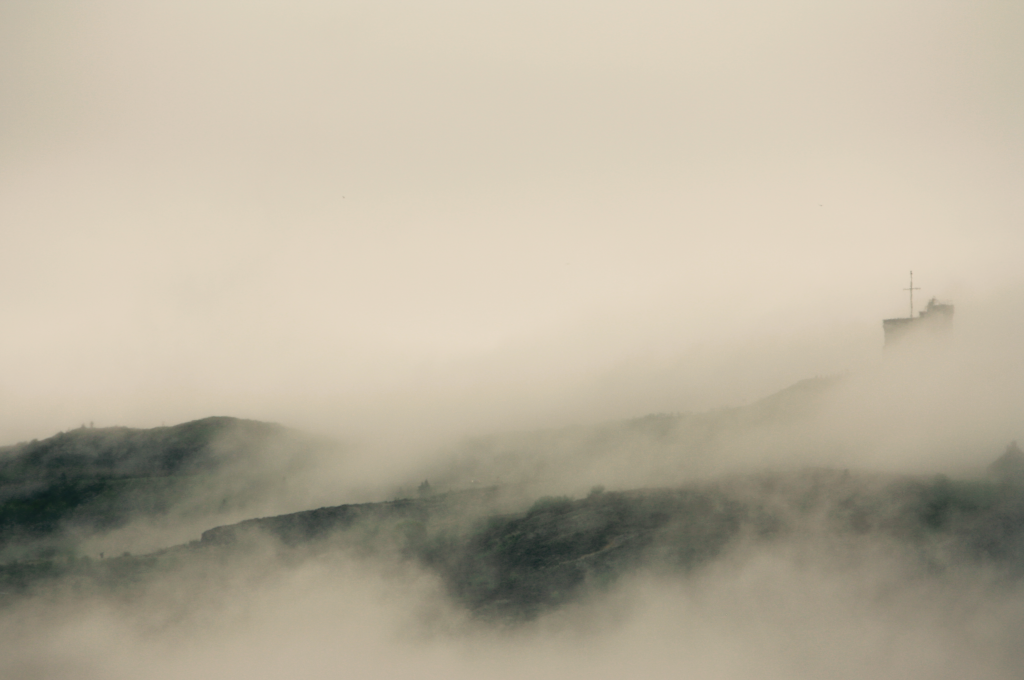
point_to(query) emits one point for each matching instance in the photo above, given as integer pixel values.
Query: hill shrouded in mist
(81, 483)
(656, 449)
(517, 565)
(509, 533)
(503, 548)
(528, 280)
(87, 482)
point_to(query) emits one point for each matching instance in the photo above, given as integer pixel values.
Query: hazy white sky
(457, 215)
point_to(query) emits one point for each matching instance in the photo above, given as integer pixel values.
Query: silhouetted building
(936, 318)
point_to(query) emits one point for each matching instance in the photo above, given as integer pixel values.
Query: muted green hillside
(92, 480)
(513, 566)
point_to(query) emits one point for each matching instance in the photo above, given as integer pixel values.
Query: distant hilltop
(937, 317)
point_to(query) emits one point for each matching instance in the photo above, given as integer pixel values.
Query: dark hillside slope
(126, 452)
(99, 479)
(519, 565)
(514, 566)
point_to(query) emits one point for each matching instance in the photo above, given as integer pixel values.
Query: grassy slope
(513, 566)
(100, 479)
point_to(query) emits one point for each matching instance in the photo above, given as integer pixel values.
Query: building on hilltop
(937, 317)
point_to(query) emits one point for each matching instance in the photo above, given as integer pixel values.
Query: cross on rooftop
(911, 289)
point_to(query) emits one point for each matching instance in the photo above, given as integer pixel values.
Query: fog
(461, 239)
(396, 220)
(786, 613)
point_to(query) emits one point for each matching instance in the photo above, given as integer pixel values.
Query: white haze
(414, 221)
(789, 612)
(402, 223)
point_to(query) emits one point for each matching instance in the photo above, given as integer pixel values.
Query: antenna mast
(911, 289)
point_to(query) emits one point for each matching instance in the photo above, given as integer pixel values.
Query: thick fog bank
(945, 405)
(419, 222)
(796, 610)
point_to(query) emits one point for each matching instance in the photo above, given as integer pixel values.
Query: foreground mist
(805, 573)
(797, 611)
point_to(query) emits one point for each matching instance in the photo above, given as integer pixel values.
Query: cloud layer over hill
(394, 221)
(407, 224)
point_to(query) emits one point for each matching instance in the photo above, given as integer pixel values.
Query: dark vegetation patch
(99, 479)
(513, 566)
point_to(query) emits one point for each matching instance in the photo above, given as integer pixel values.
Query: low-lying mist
(802, 609)
(945, 405)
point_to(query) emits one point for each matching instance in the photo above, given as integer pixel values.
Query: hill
(515, 565)
(653, 450)
(77, 483)
(502, 545)
(126, 452)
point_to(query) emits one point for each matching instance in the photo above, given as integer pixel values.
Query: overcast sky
(454, 216)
